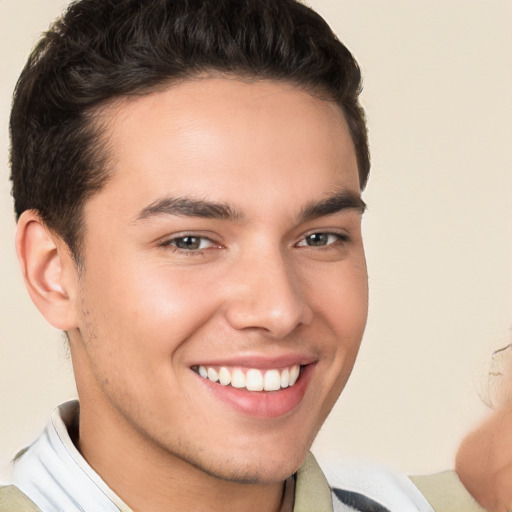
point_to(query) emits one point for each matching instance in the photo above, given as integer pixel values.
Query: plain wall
(438, 95)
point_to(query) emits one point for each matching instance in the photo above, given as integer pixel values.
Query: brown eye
(317, 239)
(320, 240)
(190, 243)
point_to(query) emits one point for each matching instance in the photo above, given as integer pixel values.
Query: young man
(187, 180)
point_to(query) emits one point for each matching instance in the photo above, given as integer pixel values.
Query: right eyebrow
(188, 207)
(340, 201)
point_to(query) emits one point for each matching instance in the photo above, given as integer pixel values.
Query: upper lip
(259, 361)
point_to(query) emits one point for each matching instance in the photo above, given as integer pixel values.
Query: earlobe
(48, 270)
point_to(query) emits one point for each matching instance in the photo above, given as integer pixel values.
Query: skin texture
(484, 464)
(143, 311)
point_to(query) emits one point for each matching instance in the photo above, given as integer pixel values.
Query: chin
(243, 474)
(257, 471)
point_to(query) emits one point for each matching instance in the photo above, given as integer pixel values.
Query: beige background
(438, 94)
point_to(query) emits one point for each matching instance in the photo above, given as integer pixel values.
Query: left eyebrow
(188, 207)
(344, 200)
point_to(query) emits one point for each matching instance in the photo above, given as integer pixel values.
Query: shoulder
(13, 500)
(445, 492)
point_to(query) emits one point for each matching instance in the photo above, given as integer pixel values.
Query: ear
(49, 271)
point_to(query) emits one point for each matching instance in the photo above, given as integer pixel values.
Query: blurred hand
(484, 462)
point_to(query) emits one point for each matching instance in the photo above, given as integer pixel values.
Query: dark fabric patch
(358, 501)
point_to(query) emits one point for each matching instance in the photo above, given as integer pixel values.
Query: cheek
(340, 300)
(152, 309)
(341, 297)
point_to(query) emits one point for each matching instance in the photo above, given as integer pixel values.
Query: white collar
(392, 490)
(55, 476)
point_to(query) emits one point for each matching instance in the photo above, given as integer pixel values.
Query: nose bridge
(267, 294)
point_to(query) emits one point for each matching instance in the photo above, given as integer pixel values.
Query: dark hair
(100, 50)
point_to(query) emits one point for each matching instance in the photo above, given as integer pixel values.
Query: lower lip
(262, 404)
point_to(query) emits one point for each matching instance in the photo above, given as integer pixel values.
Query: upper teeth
(252, 379)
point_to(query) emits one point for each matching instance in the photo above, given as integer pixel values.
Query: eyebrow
(343, 200)
(189, 207)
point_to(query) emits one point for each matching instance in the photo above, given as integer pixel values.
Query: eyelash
(340, 239)
(171, 244)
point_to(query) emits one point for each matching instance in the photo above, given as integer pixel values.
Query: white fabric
(388, 488)
(55, 476)
(338, 506)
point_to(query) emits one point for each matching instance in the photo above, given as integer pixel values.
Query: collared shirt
(55, 476)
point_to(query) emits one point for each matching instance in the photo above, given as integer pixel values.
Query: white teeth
(238, 379)
(294, 374)
(213, 375)
(272, 381)
(285, 378)
(253, 379)
(224, 376)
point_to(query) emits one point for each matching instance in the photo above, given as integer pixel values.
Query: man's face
(227, 243)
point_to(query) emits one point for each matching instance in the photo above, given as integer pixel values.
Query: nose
(267, 294)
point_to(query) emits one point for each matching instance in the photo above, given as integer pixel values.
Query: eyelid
(341, 236)
(169, 241)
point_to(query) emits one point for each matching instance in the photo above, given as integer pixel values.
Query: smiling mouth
(251, 379)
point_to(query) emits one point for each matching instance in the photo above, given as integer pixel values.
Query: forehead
(228, 139)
